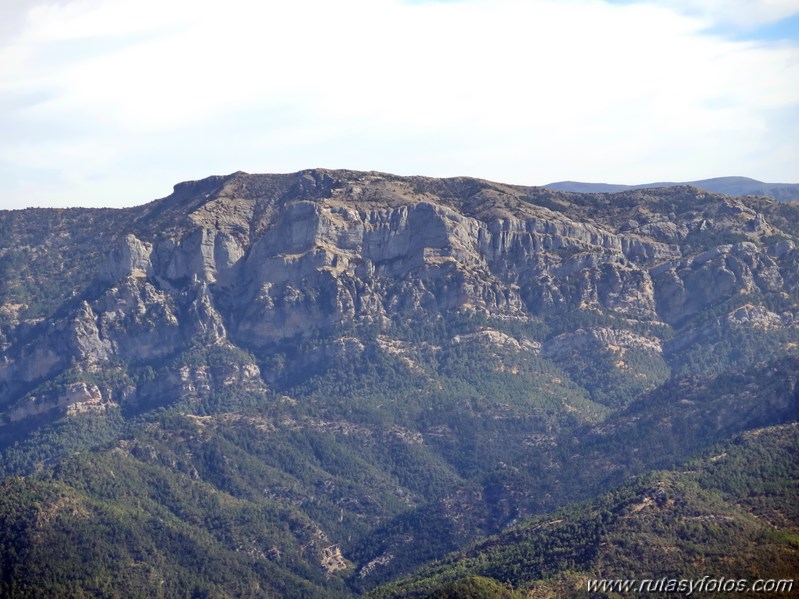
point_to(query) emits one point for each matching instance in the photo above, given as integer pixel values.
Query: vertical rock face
(328, 262)
(689, 286)
(130, 258)
(256, 260)
(206, 254)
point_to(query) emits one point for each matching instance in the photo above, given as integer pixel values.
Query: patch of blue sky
(784, 30)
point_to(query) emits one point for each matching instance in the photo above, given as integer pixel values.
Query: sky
(112, 102)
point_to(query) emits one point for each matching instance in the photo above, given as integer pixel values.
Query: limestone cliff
(255, 260)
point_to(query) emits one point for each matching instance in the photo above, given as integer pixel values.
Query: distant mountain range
(733, 186)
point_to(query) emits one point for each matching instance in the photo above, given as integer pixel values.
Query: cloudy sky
(111, 102)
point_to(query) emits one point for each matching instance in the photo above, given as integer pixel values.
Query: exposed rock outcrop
(259, 260)
(600, 339)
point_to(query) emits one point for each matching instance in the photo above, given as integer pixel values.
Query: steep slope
(730, 513)
(353, 373)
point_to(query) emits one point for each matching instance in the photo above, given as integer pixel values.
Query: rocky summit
(355, 373)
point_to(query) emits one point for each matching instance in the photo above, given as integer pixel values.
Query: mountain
(734, 186)
(312, 384)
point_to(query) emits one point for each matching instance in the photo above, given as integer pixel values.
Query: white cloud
(134, 96)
